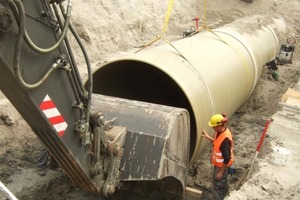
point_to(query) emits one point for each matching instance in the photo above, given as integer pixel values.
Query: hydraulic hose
(89, 68)
(17, 53)
(27, 38)
(90, 73)
(19, 14)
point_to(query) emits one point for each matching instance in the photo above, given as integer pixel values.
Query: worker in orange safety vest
(222, 154)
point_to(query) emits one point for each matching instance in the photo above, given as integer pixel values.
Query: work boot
(41, 172)
(53, 165)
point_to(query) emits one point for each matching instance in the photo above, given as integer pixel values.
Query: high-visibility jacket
(216, 157)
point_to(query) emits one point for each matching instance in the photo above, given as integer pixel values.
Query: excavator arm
(40, 80)
(101, 142)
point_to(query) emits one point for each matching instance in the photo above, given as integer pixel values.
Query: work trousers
(43, 159)
(220, 187)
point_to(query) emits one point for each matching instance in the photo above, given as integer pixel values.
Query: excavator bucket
(156, 147)
(147, 142)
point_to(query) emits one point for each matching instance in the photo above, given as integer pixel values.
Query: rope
(166, 22)
(235, 50)
(205, 27)
(165, 26)
(204, 15)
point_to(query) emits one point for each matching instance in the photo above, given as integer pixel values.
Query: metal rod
(6, 191)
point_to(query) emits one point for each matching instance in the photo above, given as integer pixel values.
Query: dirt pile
(110, 29)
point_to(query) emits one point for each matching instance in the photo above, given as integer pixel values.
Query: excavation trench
(208, 73)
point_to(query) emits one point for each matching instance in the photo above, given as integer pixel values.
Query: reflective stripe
(218, 154)
(219, 160)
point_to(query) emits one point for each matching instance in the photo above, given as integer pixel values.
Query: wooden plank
(290, 93)
(193, 191)
(293, 101)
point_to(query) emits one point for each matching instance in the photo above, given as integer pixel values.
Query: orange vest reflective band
(216, 157)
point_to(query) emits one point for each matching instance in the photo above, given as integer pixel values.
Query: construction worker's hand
(219, 175)
(204, 134)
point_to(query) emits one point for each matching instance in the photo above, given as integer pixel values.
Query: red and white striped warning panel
(54, 116)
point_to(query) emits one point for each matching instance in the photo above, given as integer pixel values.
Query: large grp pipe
(208, 73)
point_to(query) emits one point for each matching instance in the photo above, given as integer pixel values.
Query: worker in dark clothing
(43, 160)
(222, 154)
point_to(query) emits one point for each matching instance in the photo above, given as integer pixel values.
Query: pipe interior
(143, 82)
